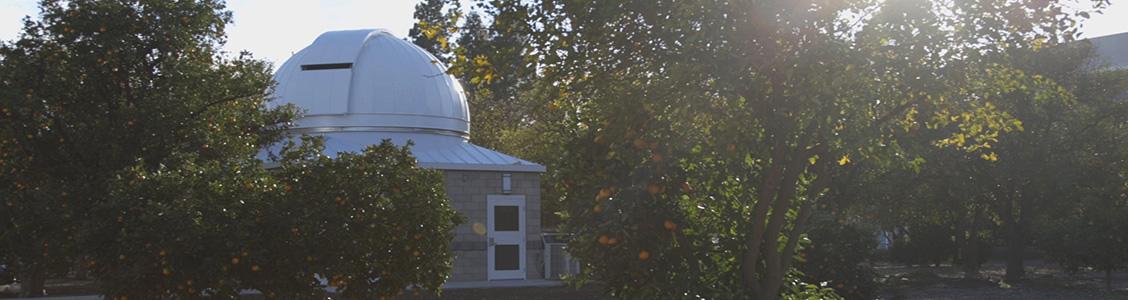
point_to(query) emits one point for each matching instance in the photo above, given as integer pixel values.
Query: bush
(838, 255)
(372, 223)
(924, 244)
(1095, 236)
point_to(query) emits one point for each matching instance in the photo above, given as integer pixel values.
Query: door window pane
(506, 218)
(507, 257)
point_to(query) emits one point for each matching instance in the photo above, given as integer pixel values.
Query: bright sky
(274, 29)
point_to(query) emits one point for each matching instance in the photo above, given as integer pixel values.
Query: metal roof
(1112, 50)
(360, 87)
(359, 78)
(431, 150)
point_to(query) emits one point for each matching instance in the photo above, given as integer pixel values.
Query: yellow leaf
(844, 160)
(1038, 43)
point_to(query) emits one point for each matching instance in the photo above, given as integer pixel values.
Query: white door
(505, 236)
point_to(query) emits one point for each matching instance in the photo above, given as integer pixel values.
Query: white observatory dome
(369, 80)
(360, 87)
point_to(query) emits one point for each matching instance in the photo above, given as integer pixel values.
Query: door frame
(506, 200)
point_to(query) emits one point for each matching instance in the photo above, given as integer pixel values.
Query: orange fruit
(669, 225)
(639, 143)
(603, 240)
(234, 260)
(603, 194)
(643, 255)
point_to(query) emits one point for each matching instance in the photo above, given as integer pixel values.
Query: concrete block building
(359, 87)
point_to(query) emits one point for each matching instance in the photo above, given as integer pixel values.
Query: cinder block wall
(467, 191)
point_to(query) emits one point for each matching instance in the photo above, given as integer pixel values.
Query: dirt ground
(588, 292)
(56, 288)
(1044, 281)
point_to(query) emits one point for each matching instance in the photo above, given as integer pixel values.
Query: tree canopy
(130, 145)
(694, 139)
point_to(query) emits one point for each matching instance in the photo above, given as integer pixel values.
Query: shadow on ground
(58, 288)
(587, 292)
(1044, 281)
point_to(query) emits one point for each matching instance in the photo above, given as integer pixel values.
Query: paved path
(448, 286)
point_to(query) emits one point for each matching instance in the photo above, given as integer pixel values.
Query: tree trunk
(80, 269)
(970, 253)
(1013, 231)
(767, 193)
(1108, 279)
(32, 280)
(777, 262)
(1015, 246)
(773, 274)
(971, 258)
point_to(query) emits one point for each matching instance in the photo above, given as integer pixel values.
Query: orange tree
(368, 224)
(1041, 174)
(91, 88)
(128, 145)
(697, 137)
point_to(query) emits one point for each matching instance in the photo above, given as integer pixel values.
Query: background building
(1112, 50)
(360, 87)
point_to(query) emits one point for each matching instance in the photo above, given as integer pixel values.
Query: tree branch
(900, 109)
(814, 194)
(767, 192)
(209, 105)
(773, 266)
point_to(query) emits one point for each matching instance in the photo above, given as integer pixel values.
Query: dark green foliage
(840, 255)
(369, 223)
(924, 244)
(963, 204)
(1088, 228)
(734, 120)
(435, 24)
(94, 87)
(373, 222)
(1096, 237)
(128, 145)
(497, 70)
(494, 64)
